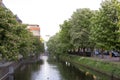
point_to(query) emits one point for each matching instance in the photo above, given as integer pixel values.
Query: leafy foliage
(73, 34)
(90, 29)
(15, 39)
(105, 26)
(80, 29)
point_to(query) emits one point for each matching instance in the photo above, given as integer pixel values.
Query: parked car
(115, 54)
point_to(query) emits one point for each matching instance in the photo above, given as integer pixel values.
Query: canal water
(48, 71)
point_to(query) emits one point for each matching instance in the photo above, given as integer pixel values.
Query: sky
(48, 14)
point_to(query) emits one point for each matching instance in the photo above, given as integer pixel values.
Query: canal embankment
(111, 69)
(8, 68)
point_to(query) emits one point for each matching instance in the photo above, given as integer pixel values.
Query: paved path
(5, 64)
(108, 58)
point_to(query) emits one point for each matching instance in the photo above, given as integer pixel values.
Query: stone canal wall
(8, 68)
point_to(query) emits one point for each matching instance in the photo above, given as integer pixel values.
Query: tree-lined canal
(48, 71)
(55, 70)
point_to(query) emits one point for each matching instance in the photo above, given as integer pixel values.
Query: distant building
(1, 4)
(35, 29)
(17, 18)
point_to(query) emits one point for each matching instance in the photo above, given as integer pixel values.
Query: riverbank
(9, 68)
(111, 69)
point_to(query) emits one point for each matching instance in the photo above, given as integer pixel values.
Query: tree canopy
(90, 29)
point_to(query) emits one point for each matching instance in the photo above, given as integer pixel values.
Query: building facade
(1, 4)
(35, 29)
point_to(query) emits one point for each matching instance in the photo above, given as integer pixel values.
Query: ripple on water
(47, 71)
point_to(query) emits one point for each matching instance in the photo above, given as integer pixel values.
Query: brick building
(35, 29)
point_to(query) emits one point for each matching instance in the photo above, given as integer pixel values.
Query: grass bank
(105, 67)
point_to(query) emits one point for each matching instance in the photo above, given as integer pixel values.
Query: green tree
(80, 29)
(88, 29)
(65, 38)
(8, 25)
(105, 25)
(74, 33)
(15, 39)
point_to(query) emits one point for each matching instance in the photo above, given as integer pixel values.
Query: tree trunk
(119, 58)
(92, 52)
(84, 54)
(102, 55)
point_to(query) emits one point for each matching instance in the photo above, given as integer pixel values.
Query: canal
(55, 70)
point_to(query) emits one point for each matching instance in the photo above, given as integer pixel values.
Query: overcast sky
(48, 13)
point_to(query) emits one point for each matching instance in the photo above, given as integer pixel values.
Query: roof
(34, 28)
(18, 19)
(35, 25)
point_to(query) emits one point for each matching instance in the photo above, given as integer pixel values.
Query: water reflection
(27, 72)
(49, 71)
(69, 72)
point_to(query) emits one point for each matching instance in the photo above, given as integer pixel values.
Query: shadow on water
(69, 72)
(50, 70)
(25, 71)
